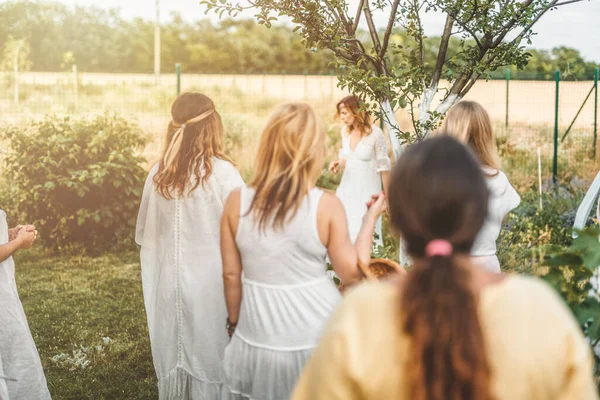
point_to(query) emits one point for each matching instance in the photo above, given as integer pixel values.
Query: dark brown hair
(362, 118)
(200, 141)
(438, 191)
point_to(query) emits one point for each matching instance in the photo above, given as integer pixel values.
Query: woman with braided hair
(178, 230)
(448, 330)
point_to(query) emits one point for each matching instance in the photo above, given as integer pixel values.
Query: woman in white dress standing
(364, 157)
(468, 122)
(21, 372)
(278, 230)
(178, 229)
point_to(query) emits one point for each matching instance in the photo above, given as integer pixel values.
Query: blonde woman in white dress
(470, 124)
(275, 234)
(178, 229)
(364, 158)
(21, 372)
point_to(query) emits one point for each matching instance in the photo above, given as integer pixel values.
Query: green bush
(573, 271)
(79, 180)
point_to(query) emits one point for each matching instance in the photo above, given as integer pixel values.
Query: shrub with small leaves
(573, 271)
(78, 180)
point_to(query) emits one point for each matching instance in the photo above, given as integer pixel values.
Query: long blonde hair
(194, 137)
(290, 155)
(470, 124)
(362, 118)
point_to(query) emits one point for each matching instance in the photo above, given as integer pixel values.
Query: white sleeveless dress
(362, 177)
(183, 285)
(287, 299)
(21, 373)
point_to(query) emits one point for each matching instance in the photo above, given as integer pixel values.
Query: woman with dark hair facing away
(365, 160)
(447, 330)
(178, 229)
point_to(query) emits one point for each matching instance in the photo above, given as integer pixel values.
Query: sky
(575, 25)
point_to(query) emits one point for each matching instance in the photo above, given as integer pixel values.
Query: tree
(490, 35)
(16, 53)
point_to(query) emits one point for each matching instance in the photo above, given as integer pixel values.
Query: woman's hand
(25, 238)
(333, 167)
(376, 206)
(12, 233)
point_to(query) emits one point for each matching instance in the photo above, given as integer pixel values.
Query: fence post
(178, 73)
(75, 87)
(556, 105)
(507, 95)
(595, 109)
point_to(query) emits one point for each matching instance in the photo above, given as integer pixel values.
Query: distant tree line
(52, 36)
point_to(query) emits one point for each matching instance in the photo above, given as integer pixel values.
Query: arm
(385, 180)
(24, 240)
(232, 264)
(333, 227)
(341, 161)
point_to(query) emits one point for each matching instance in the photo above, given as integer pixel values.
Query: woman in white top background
(364, 158)
(275, 235)
(178, 229)
(470, 123)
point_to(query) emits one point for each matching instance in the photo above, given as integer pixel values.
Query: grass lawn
(72, 304)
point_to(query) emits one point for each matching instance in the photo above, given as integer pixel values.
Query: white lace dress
(21, 372)
(362, 177)
(183, 285)
(286, 300)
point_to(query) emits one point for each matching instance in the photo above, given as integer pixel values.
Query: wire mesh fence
(523, 111)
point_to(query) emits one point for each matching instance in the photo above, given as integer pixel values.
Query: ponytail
(447, 360)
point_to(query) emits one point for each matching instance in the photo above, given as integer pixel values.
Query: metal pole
(555, 161)
(157, 42)
(178, 73)
(507, 95)
(595, 110)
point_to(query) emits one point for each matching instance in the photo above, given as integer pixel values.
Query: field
(244, 101)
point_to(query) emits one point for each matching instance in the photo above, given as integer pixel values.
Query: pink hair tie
(438, 247)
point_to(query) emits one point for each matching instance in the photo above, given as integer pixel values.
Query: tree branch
(520, 36)
(441, 60)
(357, 19)
(508, 27)
(389, 29)
(567, 2)
(372, 28)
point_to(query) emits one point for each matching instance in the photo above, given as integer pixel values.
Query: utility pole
(157, 43)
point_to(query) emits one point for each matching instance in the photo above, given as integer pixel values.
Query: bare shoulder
(329, 203)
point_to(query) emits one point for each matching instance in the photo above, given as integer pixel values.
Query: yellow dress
(534, 346)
